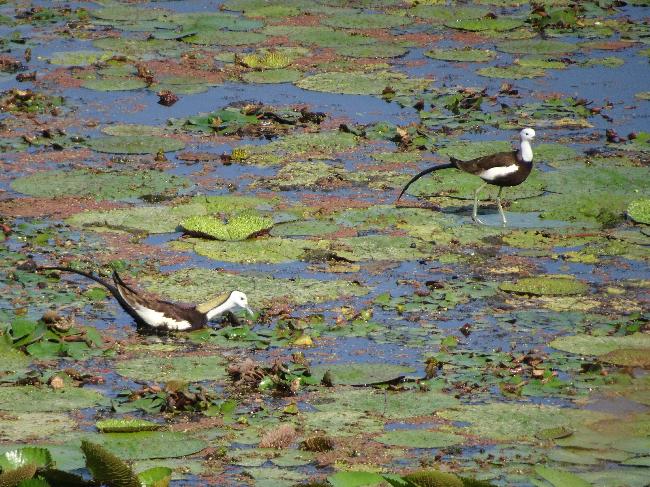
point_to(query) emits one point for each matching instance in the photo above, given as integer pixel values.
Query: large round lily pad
(163, 369)
(516, 421)
(365, 21)
(535, 46)
(150, 444)
(112, 185)
(114, 84)
(462, 55)
(360, 83)
(404, 404)
(27, 399)
(511, 72)
(353, 373)
(134, 144)
(546, 286)
(29, 426)
(126, 12)
(273, 76)
(414, 438)
(600, 345)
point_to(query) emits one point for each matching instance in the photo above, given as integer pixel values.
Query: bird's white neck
(222, 308)
(526, 151)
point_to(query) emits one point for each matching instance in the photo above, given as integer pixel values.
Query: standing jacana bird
(501, 169)
(152, 313)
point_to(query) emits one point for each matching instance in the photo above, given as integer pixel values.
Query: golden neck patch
(212, 303)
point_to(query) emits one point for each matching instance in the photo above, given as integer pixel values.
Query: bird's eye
(241, 298)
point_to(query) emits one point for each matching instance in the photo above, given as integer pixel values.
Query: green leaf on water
(25, 456)
(110, 185)
(134, 144)
(125, 425)
(26, 399)
(416, 438)
(560, 478)
(546, 286)
(114, 84)
(466, 54)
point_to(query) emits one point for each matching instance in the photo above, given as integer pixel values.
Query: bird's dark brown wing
(480, 164)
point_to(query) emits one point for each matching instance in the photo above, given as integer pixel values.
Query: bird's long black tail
(424, 173)
(89, 275)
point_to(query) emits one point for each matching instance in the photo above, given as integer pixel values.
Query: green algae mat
(259, 146)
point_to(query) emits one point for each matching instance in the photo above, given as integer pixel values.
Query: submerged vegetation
(259, 147)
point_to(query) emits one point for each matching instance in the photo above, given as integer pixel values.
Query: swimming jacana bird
(502, 169)
(151, 313)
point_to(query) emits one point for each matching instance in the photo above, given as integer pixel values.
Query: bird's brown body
(502, 169)
(148, 312)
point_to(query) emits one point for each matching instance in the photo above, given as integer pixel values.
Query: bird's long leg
(475, 210)
(503, 215)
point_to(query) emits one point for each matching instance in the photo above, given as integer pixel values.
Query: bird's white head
(527, 134)
(238, 299)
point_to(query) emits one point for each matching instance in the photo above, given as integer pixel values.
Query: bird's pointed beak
(249, 311)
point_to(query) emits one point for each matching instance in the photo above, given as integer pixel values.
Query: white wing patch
(157, 319)
(498, 172)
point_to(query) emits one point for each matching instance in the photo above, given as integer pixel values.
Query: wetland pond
(200, 147)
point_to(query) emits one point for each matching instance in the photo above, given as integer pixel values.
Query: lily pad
(442, 13)
(78, 58)
(628, 357)
(464, 55)
(413, 438)
(99, 185)
(273, 76)
(28, 399)
(376, 50)
(511, 72)
(512, 421)
(536, 46)
(24, 456)
(126, 12)
(225, 38)
(163, 369)
(115, 84)
(600, 345)
(546, 286)
(239, 227)
(134, 144)
(354, 373)
(499, 24)
(365, 21)
(392, 404)
(31, 426)
(361, 83)
(560, 478)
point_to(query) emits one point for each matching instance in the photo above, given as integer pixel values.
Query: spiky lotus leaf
(318, 443)
(36, 482)
(57, 478)
(125, 425)
(239, 154)
(433, 478)
(467, 482)
(239, 227)
(266, 60)
(106, 468)
(11, 478)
